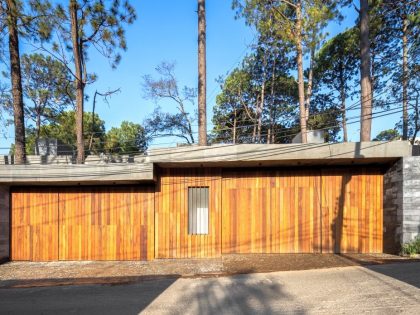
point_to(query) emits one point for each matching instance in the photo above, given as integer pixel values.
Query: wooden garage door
(271, 212)
(302, 211)
(83, 223)
(352, 211)
(34, 224)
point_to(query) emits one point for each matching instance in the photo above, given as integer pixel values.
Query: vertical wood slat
(281, 195)
(83, 223)
(265, 211)
(352, 208)
(337, 210)
(172, 214)
(127, 233)
(34, 224)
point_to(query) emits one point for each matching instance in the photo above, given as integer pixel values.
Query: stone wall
(393, 208)
(4, 223)
(401, 203)
(411, 200)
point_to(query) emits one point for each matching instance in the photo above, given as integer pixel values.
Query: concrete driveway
(381, 289)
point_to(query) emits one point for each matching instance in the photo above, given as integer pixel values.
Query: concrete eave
(76, 174)
(282, 154)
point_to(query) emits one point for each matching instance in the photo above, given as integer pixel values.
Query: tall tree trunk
(202, 121)
(301, 83)
(254, 131)
(309, 87)
(365, 77)
(260, 108)
(38, 125)
(79, 84)
(16, 81)
(405, 77)
(416, 120)
(343, 113)
(343, 101)
(234, 127)
(273, 80)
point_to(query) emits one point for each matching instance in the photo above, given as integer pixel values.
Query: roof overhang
(141, 168)
(282, 154)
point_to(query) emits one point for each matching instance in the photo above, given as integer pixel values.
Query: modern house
(190, 202)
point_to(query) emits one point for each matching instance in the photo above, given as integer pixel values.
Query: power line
(193, 149)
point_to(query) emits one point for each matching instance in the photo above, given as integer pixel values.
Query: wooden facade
(83, 223)
(352, 211)
(316, 210)
(271, 212)
(171, 214)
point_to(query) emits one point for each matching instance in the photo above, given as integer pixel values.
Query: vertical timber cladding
(34, 224)
(302, 211)
(83, 223)
(172, 239)
(352, 210)
(106, 223)
(271, 211)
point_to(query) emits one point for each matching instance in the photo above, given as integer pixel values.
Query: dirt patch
(285, 262)
(31, 274)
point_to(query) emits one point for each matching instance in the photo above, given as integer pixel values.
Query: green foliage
(47, 83)
(129, 138)
(337, 63)
(267, 70)
(63, 128)
(411, 248)
(240, 103)
(279, 17)
(101, 25)
(388, 135)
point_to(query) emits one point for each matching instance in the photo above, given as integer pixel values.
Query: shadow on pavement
(407, 272)
(239, 294)
(125, 297)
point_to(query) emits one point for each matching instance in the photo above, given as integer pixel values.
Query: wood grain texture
(271, 211)
(106, 223)
(352, 211)
(34, 224)
(83, 223)
(250, 211)
(171, 214)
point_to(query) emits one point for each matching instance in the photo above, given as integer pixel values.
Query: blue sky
(167, 31)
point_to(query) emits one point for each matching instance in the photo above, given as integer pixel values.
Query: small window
(198, 210)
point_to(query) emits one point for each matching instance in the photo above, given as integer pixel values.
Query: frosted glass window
(198, 210)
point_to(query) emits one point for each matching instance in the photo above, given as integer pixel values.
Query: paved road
(385, 289)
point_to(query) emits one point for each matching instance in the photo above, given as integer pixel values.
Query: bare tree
(166, 87)
(202, 123)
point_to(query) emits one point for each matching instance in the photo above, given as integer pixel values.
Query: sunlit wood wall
(352, 211)
(302, 211)
(250, 211)
(171, 214)
(83, 223)
(271, 212)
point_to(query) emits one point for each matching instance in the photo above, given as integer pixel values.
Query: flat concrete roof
(141, 168)
(282, 154)
(75, 174)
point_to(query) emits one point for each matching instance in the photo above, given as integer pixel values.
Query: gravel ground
(28, 274)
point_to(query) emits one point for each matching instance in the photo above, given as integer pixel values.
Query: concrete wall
(401, 203)
(4, 223)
